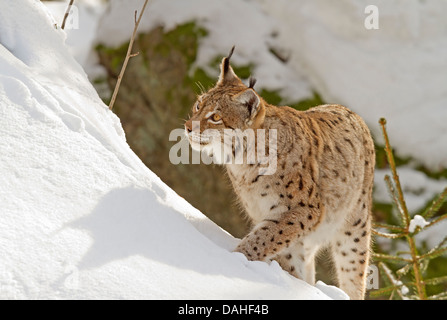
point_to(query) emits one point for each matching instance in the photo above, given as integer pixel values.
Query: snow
(417, 221)
(80, 214)
(52, 117)
(80, 26)
(398, 71)
(228, 23)
(332, 291)
(402, 290)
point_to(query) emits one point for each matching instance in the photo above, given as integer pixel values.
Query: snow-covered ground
(80, 215)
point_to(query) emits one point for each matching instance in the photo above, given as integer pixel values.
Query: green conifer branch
(404, 270)
(436, 220)
(441, 296)
(436, 205)
(388, 235)
(433, 253)
(414, 263)
(395, 284)
(390, 258)
(395, 197)
(383, 291)
(418, 279)
(392, 163)
(435, 281)
(416, 269)
(388, 226)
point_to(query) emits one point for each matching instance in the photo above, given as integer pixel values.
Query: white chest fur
(258, 198)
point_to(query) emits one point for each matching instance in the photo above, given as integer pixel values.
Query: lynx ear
(227, 74)
(250, 100)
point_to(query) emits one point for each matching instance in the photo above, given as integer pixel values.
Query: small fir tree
(407, 278)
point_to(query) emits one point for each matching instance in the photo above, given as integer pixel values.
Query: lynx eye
(197, 106)
(215, 118)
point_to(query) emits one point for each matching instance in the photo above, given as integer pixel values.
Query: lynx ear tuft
(251, 82)
(226, 61)
(227, 75)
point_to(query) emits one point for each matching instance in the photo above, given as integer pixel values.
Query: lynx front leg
(272, 236)
(299, 261)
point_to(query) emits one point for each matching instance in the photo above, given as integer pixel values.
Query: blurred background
(388, 61)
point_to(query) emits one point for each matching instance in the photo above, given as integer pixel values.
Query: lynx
(321, 192)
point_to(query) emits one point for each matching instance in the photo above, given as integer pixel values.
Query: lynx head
(229, 105)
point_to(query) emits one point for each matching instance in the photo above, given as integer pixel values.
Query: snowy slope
(80, 215)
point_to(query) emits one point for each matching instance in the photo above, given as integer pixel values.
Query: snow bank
(80, 26)
(80, 215)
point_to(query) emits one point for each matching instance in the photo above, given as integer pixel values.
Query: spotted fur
(321, 192)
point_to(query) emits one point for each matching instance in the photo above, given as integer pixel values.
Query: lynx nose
(192, 126)
(188, 126)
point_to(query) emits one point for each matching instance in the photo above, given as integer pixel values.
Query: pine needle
(433, 253)
(435, 281)
(388, 235)
(436, 205)
(441, 296)
(387, 226)
(390, 258)
(395, 197)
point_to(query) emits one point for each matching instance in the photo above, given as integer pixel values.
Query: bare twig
(128, 55)
(67, 12)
